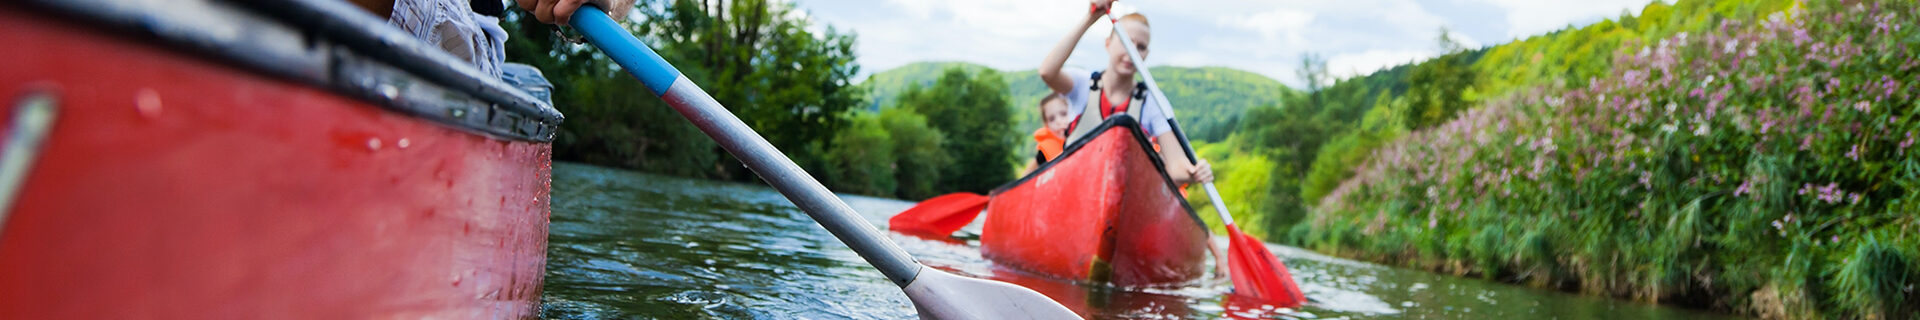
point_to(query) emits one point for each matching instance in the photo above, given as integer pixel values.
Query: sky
(1263, 36)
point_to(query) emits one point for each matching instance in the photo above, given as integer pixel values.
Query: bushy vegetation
(1747, 156)
(756, 58)
(792, 85)
(974, 115)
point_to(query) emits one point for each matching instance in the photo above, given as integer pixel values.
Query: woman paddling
(1117, 90)
(1114, 91)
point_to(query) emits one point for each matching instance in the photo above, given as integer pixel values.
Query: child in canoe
(1051, 137)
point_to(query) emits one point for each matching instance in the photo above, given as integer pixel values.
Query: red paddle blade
(1258, 274)
(940, 215)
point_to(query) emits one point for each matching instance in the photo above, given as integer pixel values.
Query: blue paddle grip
(636, 57)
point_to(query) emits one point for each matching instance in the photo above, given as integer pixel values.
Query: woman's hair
(1135, 17)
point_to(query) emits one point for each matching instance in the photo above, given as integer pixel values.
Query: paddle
(935, 294)
(1256, 272)
(939, 216)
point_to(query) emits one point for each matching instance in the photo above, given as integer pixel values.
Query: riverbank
(625, 244)
(1761, 167)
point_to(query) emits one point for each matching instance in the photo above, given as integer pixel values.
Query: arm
(1220, 263)
(1057, 58)
(1179, 168)
(558, 11)
(379, 8)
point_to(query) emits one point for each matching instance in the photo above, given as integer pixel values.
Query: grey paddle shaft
(1166, 107)
(741, 141)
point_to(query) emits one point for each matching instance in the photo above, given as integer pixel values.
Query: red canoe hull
(1103, 213)
(176, 187)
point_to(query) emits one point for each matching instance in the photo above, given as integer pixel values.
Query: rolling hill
(1207, 99)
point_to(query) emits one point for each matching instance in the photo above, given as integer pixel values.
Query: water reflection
(630, 245)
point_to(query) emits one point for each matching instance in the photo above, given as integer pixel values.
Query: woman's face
(1118, 61)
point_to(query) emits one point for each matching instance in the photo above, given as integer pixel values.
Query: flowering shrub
(1753, 167)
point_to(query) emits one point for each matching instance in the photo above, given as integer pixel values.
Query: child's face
(1054, 113)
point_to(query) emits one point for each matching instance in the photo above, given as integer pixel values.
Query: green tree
(863, 161)
(611, 119)
(756, 57)
(974, 115)
(1437, 89)
(918, 156)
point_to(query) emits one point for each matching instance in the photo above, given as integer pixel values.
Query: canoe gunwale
(327, 44)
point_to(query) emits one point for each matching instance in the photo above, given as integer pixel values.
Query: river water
(627, 245)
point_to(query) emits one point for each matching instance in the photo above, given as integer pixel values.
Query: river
(627, 245)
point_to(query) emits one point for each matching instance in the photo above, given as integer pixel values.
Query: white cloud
(1284, 25)
(1263, 36)
(1533, 17)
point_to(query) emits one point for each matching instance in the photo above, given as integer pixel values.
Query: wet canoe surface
(632, 245)
(1103, 212)
(174, 186)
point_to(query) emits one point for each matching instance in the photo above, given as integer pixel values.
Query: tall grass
(1764, 167)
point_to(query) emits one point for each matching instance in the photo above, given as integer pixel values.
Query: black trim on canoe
(328, 44)
(1119, 121)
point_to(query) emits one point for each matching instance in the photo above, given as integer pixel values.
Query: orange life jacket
(1050, 144)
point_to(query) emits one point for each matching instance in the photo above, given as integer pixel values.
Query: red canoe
(200, 160)
(1104, 212)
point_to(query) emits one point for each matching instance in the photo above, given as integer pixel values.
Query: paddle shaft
(741, 141)
(1167, 108)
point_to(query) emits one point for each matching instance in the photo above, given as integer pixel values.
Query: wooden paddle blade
(940, 215)
(1258, 274)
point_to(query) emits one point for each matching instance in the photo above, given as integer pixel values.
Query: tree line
(792, 84)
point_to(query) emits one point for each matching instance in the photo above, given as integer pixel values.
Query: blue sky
(1263, 36)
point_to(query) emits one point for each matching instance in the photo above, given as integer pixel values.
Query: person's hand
(559, 11)
(1201, 172)
(1100, 7)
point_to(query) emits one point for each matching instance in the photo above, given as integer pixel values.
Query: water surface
(628, 245)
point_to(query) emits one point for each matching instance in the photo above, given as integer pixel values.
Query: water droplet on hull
(147, 102)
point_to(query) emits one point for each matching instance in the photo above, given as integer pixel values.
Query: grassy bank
(1763, 166)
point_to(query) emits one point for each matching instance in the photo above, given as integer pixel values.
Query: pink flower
(1907, 143)
(1887, 84)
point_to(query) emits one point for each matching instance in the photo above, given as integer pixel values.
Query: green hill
(1207, 99)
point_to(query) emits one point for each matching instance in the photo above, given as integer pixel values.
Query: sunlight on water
(631, 245)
